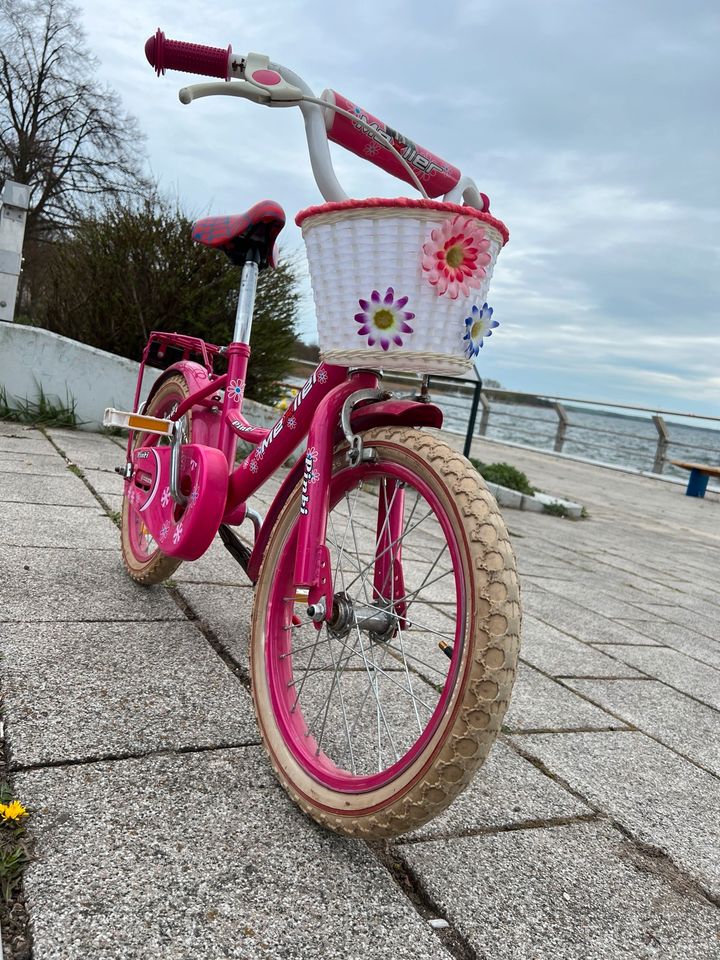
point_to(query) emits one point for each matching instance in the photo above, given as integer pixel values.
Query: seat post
(246, 300)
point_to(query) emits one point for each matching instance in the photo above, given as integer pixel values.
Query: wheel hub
(348, 615)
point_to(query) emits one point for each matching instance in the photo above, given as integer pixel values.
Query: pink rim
(135, 537)
(406, 203)
(280, 673)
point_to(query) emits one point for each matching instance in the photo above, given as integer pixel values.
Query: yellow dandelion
(12, 811)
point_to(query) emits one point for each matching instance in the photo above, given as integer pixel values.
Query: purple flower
(383, 319)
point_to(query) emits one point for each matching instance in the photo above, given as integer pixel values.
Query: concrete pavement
(592, 831)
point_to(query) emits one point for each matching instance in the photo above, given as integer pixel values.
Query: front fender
(384, 413)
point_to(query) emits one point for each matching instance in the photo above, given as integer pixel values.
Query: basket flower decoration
(478, 325)
(455, 256)
(384, 318)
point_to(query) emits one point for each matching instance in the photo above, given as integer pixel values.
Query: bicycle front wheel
(376, 721)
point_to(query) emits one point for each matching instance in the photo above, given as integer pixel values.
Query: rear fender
(205, 424)
(398, 413)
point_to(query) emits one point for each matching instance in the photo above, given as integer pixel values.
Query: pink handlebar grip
(165, 55)
(436, 175)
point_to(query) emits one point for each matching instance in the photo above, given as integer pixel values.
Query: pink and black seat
(244, 236)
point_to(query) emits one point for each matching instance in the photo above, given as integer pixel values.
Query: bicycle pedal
(234, 545)
(137, 421)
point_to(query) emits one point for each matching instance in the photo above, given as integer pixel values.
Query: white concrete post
(14, 201)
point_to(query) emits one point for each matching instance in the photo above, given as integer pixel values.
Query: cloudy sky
(592, 124)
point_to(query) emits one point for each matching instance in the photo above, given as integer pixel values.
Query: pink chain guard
(184, 532)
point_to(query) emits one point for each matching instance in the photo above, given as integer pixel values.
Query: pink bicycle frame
(315, 413)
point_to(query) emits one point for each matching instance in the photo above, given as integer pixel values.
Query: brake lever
(234, 88)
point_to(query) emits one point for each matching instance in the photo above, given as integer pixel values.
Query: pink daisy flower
(455, 256)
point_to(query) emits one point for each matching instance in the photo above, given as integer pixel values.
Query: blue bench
(699, 475)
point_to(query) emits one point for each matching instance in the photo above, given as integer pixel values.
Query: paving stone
(88, 451)
(579, 622)
(34, 464)
(59, 491)
(674, 668)
(507, 790)
(688, 727)
(598, 596)
(575, 892)
(53, 585)
(684, 617)
(538, 703)
(562, 656)
(681, 638)
(76, 691)
(215, 566)
(104, 481)
(25, 441)
(661, 798)
(10, 429)
(202, 856)
(227, 611)
(36, 525)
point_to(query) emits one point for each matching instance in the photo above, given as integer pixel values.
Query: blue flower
(478, 325)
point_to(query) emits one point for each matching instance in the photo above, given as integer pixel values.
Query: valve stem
(447, 649)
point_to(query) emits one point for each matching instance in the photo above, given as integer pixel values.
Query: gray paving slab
(25, 441)
(677, 670)
(226, 610)
(574, 892)
(684, 616)
(88, 451)
(75, 691)
(202, 856)
(10, 429)
(506, 791)
(683, 639)
(34, 464)
(62, 584)
(58, 491)
(215, 566)
(104, 481)
(677, 721)
(605, 598)
(579, 622)
(539, 703)
(661, 798)
(37, 525)
(558, 654)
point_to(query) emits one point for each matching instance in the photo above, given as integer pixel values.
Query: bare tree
(61, 130)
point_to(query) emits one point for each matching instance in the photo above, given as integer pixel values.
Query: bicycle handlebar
(332, 117)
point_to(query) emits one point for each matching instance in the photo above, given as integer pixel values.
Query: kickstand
(235, 546)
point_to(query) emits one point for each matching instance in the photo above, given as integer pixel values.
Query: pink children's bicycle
(386, 620)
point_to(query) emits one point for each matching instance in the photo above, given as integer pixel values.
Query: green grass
(45, 410)
(505, 475)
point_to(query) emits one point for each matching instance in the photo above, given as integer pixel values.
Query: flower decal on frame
(384, 318)
(236, 389)
(478, 325)
(455, 256)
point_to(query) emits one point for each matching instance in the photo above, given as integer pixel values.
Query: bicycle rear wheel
(143, 558)
(376, 721)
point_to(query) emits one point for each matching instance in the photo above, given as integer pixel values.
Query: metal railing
(489, 397)
(564, 421)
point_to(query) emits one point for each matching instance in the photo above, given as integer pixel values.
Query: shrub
(505, 475)
(133, 267)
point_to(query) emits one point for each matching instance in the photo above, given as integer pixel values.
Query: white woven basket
(379, 302)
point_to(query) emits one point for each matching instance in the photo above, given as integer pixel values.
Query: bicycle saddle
(244, 234)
